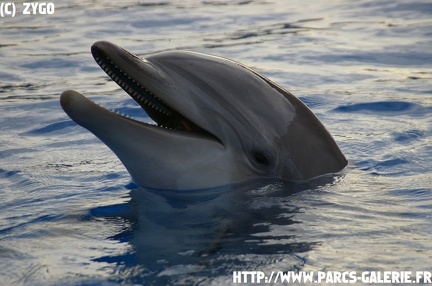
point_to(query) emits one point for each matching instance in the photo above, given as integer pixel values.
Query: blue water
(70, 215)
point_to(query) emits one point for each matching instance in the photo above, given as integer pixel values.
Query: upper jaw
(142, 81)
(133, 75)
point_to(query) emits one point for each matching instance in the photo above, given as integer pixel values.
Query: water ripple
(386, 108)
(409, 135)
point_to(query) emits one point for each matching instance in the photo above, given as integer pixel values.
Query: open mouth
(164, 115)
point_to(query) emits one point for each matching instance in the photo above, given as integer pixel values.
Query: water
(70, 215)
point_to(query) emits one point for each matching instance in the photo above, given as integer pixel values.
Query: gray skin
(217, 123)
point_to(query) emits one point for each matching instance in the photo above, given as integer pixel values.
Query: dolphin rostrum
(217, 122)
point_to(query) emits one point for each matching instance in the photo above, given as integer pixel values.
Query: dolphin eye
(260, 158)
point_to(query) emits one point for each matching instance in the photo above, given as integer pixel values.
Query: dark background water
(70, 215)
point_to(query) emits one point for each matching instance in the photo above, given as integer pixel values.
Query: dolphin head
(217, 122)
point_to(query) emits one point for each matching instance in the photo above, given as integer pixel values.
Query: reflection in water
(176, 234)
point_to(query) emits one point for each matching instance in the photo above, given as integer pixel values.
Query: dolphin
(216, 122)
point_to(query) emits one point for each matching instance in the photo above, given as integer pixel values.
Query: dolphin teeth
(132, 87)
